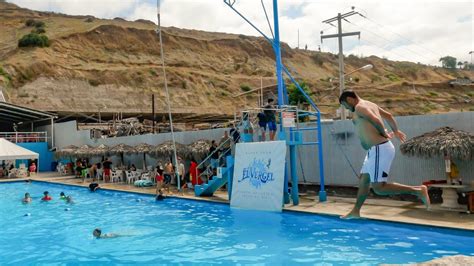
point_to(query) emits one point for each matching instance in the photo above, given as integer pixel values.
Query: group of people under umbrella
(163, 153)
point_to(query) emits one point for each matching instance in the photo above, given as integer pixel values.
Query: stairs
(208, 189)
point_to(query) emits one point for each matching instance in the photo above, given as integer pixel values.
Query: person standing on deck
(374, 137)
(271, 119)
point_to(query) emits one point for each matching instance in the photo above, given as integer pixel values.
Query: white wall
(407, 170)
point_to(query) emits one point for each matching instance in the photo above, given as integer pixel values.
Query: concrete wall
(407, 170)
(45, 156)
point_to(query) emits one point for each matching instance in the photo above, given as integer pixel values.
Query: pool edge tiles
(390, 218)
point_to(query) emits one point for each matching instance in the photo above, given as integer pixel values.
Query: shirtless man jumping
(368, 120)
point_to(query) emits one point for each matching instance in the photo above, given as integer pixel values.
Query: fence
(20, 137)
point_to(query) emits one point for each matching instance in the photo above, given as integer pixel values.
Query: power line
(398, 34)
(390, 41)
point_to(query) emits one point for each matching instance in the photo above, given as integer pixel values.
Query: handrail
(212, 153)
(25, 136)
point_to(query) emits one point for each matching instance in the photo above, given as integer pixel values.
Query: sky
(404, 30)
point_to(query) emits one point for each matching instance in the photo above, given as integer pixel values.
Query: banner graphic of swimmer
(259, 175)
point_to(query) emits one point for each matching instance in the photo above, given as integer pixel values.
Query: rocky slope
(114, 66)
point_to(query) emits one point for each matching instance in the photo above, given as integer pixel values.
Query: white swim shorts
(378, 161)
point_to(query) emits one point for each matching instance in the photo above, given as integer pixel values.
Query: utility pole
(339, 36)
(298, 38)
(470, 66)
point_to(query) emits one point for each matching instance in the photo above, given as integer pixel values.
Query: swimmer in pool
(62, 196)
(27, 198)
(160, 195)
(46, 196)
(97, 233)
(69, 199)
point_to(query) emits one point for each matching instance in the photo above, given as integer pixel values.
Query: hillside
(114, 65)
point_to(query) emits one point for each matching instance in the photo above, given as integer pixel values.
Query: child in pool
(97, 233)
(46, 196)
(62, 196)
(27, 198)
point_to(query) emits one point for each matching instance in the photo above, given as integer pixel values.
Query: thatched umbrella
(444, 141)
(121, 149)
(102, 149)
(199, 149)
(144, 148)
(84, 150)
(165, 149)
(66, 151)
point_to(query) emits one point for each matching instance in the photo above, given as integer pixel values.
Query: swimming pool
(177, 231)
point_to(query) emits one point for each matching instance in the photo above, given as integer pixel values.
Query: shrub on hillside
(317, 59)
(38, 30)
(392, 77)
(34, 23)
(30, 22)
(245, 87)
(33, 40)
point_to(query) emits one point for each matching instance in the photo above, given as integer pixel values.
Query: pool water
(177, 231)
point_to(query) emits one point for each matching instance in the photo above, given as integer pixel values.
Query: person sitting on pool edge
(160, 195)
(27, 198)
(46, 196)
(94, 186)
(97, 233)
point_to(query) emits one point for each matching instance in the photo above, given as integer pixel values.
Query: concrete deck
(377, 209)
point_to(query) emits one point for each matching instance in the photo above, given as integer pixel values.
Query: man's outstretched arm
(393, 124)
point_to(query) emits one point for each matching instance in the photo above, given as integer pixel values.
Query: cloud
(413, 30)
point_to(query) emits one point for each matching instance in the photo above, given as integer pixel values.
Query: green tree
(460, 64)
(448, 61)
(295, 96)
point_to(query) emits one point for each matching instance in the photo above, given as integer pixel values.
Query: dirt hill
(114, 65)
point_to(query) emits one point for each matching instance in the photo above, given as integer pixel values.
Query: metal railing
(19, 137)
(208, 170)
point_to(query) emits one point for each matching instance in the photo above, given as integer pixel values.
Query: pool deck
(377, 209)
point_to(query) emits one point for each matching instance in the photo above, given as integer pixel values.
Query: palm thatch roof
(84, 150)
(122, 148)
(144, 148)
(166, 149)
(102, 149)
(443, 141)
(199, 149)
(66, 151)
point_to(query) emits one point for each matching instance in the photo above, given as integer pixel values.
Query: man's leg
(386, 189)
(362, 193)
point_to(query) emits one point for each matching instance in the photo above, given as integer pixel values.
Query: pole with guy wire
(339, 36)
(168, 102)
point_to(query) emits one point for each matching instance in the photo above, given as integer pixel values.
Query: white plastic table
(450, 195)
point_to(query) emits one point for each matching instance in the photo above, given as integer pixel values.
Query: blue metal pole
(230, 174)
(294, 175)
(322, 192)
(276, 47)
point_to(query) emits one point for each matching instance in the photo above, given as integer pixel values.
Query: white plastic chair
(116, 175)
(130, 176)
(146, 176)
(100, 174)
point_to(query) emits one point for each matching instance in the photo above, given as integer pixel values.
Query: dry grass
(117, 60)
